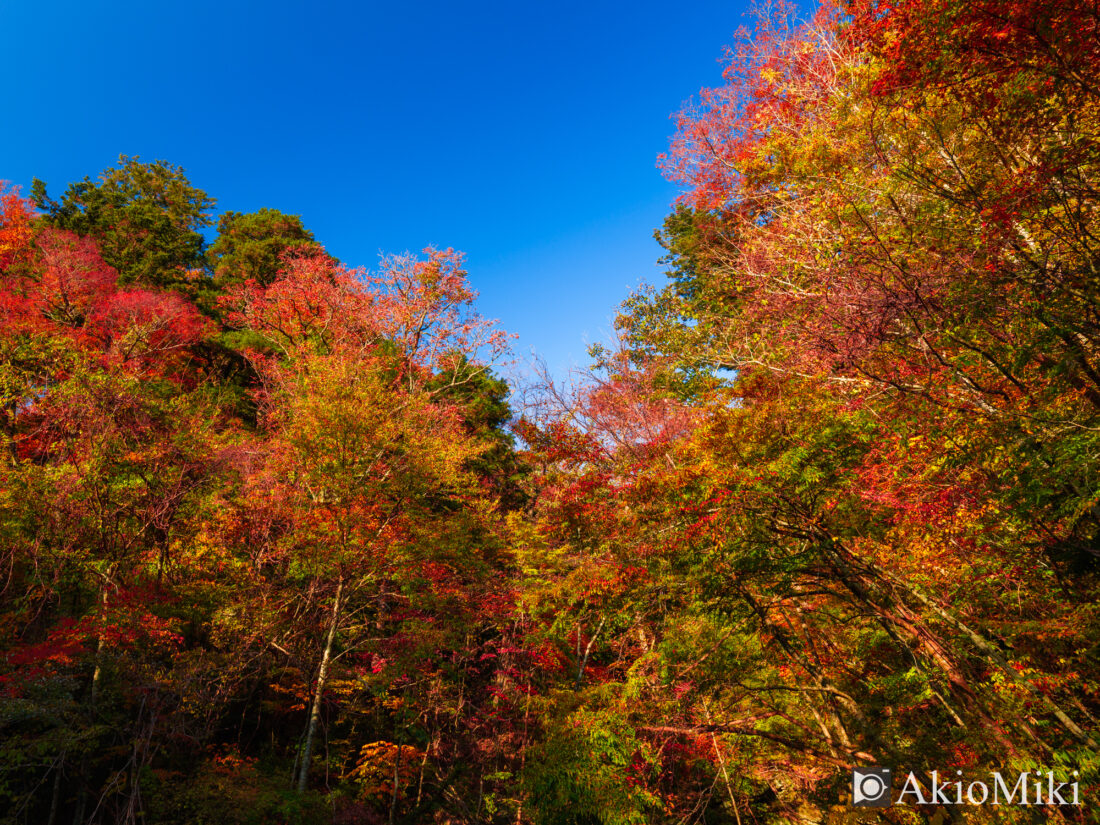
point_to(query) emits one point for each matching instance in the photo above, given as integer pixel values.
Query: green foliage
(229, 790)
(589, 770)
(252, 246)
(145, 217)
(486, 413)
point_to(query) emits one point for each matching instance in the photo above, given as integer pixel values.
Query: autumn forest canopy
(279, 544)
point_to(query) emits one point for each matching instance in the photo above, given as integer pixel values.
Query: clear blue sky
(522, 133)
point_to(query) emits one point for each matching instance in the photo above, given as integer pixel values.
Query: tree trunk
(97, 679)
(318, 692)
(396, 781)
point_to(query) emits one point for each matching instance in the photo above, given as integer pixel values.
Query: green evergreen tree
(145, 217)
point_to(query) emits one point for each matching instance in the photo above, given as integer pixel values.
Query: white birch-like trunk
(318, 692)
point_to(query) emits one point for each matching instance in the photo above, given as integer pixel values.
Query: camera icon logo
(871, 787)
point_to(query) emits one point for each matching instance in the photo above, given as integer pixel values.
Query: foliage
(144, 217)
(276, 550)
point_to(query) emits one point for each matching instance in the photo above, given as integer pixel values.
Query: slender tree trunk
(318, 692)
(420, 781)
(396, 780)
(56, 795)
(97, 671)
(582, 661)
(97, 679)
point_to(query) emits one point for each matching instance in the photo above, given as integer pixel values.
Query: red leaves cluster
(422, 307)
(146, 326)
(75, 280)
(952, 42)
(55, 283)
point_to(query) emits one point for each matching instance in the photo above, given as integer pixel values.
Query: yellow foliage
(377, 764)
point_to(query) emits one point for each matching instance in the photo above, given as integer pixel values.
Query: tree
(254, 246)
(145, 218)
(367, 459)
(881, 317)
(486, 416)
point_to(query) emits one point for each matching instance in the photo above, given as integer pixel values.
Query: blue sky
(524, 134)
